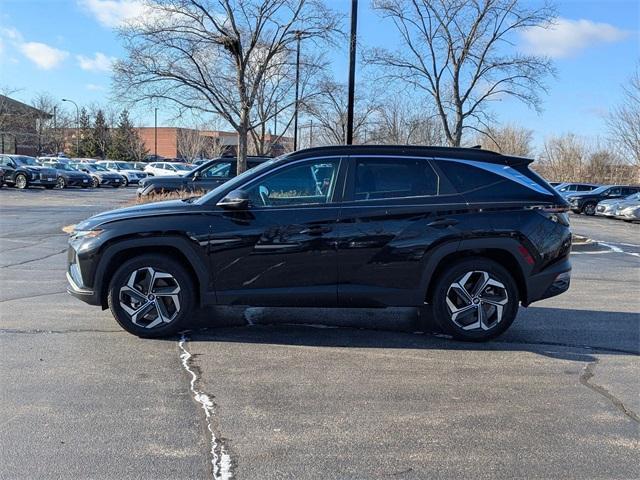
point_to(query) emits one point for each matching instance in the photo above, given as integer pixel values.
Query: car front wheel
(21, 181)
(125, 182)
(61, 183)
(95, 182)
(475, 299)
(589, 208)
(151, 296)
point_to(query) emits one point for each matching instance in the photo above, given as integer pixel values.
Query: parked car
(608, 208)
(204, 177)
(100, 175)
(629, 211)
(128, 171)
(566, 189)
(69, 176)
(342, 226)
(158, 169)
(22, 172)
(586, 202)
(1, 177)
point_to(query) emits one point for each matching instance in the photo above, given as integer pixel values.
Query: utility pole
(77, 125)
(310, 133)
(352, 70)
(295, 115)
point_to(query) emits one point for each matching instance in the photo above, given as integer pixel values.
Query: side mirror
(235, 200)
(196, 175)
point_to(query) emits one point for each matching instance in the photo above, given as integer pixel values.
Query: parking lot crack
(220, 458)
(586, 379)
(34, 259)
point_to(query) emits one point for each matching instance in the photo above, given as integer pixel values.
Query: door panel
(278, 255)
(385, 243)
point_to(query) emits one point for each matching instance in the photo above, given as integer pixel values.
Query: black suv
(22, 172)
(205, 176)
(466, 234)
(586, 202)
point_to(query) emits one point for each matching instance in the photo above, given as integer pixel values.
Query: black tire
(443, 316)
(589, 208)
(162, 265)
(21, 181)
(60, 183)
(95, 182)
(125, 181)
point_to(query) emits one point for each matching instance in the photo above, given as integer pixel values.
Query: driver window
(218, 170)
(306, 184)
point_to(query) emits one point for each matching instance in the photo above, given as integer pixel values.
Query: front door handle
(315, 230)
(443, 223)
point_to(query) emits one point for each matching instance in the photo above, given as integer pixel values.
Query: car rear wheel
(475, 299)
(589, 208)
(60, 183)
(151, 296)
(21, 181)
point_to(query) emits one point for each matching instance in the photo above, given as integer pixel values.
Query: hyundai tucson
(469, 235)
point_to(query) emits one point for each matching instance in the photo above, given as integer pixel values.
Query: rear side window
(466, 178)
(584, 188)
(394, 178)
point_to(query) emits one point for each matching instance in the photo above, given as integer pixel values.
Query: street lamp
(352, 70)
(295, 114)
(77, 125)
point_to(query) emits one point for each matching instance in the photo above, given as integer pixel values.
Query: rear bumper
(550, 282)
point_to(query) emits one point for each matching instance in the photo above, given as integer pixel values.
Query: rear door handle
(315, 230)
(443, 223)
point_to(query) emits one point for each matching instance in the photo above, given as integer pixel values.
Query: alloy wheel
(60, 183)
(476, 301)
(590, 209)
(21, 181)
(150, 297)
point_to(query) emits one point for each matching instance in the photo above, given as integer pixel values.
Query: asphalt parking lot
(307, 394)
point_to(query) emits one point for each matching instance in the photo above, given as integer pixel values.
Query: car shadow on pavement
(553, 332)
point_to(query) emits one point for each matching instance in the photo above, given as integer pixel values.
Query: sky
(65, 48)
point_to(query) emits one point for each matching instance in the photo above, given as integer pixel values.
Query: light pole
(77, 125)
(352, 70)
(295, 114)
(155, 132)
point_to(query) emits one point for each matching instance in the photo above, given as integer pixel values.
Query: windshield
(598, 190)
(26, 161)
(99, 168)
(124, 166)
(239, 180)
(63, 166)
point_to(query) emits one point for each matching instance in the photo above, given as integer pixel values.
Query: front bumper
(552, 281)
(75, 281)
(78, 182)
(110, 181)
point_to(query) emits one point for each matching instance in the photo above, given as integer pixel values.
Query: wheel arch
(175, 248)
(505, 252)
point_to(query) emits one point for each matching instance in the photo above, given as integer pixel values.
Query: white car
(159, 169)
(128, 171)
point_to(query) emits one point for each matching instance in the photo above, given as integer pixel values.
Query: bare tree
(191, 143)
(213, 56)
(329, 109)
(624, 122)
(508, 139)
(403, 121)
(457, 52)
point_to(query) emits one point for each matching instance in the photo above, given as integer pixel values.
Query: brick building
(21, 127)
(175, 142)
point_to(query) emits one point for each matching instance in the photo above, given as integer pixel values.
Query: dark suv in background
(22, 172)
(467, 234)
(204, 177)
(586, 202)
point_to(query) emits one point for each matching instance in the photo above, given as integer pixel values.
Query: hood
(69, 174)
(611, 201)
(165, 180)
(137, 211)
(108, 175)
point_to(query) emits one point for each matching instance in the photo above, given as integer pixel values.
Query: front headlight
(86, 233)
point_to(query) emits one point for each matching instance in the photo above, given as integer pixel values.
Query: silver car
(629, 211)
(610, 207)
